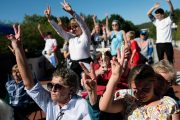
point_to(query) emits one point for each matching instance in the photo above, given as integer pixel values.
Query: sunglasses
(74, 27)
(114, 24)
(57, 87)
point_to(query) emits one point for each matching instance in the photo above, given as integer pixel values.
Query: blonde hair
(164, 66)
(73, 22)
(130, 34)
(15, 67)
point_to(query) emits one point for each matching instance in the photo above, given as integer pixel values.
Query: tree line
(34, 44)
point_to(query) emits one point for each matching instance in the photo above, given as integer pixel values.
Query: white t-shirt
(50, 44)
(163, 30)
(79, 47)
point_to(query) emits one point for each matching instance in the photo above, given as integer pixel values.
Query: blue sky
(133, 10)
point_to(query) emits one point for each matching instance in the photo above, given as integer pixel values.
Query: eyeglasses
(74, 27)
(57, 87)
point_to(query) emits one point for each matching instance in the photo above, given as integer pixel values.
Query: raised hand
(47, 12)
(17, 31)
(94, 17)
(157, 5)
(15, 39)
(117, 64)
(89, 84)
(90, 73)
(66, 6)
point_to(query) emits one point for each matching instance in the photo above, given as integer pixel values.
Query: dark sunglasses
(114, 24)
(74, 27)
(57, 87)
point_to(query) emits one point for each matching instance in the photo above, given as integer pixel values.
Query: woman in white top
(79, 40)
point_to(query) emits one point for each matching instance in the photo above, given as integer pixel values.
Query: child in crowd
(148, 101)
(135, 50)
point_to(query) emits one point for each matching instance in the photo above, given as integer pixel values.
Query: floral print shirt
(163, 111)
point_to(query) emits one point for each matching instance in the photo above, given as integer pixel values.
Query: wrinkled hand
(156, 5)
(47, 12)
(15, 39)
(66, 6)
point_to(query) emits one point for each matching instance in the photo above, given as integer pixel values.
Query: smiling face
(16, 74)
(59, 94)
(75, 28)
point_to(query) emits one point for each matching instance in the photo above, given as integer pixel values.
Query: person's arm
(170, 6)
(132, 56)
(58, 28)
(21, 60)
(81, 23)
(124, 38)
(39, 29)
(176, 116)
(94, 20)
(171, 9)
(107, 26)
(149, 13)
(104, 36)
(90, 84)
(107, 103)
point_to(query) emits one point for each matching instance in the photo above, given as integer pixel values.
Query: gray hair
(6, 112)
(70, 78)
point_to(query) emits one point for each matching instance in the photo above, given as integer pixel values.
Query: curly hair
(69, 78)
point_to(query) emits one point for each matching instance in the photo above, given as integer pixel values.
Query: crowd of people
(84, 88)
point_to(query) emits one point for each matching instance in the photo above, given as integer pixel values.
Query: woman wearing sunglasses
(79, 39)
(117, 36)
(61, 101)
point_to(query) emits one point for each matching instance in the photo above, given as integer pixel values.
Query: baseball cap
(159, 11)
(143, 32)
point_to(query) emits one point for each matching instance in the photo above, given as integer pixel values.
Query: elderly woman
(61, 101)
(79, 40)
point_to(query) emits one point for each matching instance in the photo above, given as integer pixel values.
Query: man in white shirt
(163, 30)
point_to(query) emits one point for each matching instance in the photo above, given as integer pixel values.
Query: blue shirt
(116, 42)
(76, 109)
(17, 94)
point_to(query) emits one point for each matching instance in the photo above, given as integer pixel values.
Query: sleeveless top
(116, 42)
